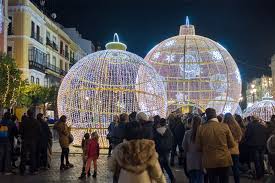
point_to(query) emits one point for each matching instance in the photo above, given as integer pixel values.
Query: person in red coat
(92, 154)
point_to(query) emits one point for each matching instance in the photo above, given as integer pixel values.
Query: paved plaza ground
(68, 176)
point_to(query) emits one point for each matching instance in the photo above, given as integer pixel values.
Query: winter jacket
(237, 135)
(63, 132)
(118, 134)
(111, 130)
(30, 130)
(137, 162)
(93, 149)
(179, 131)
(163, 139)
(5, 131)
(215, 139)
(192, 153)
(148, 132)
(255, 135)
(45, 133)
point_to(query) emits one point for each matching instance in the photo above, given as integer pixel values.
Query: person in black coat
(163, 139)
(45, 136)
(119, 130)
(147, 126)
(30, 133)
(255, 140)
(177, 128)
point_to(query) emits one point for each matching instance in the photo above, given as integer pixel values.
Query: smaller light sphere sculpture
(263, 109)
(107, 83)
(196, 70)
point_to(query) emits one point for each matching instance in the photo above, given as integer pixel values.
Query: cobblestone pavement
(54, 175)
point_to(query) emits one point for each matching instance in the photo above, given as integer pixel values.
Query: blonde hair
(95, 136)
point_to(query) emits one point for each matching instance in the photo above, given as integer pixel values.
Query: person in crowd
(240, 121)
(192, 152)
(92, 155)
(30, 133)
(255, 140)
(146, 124)
(215, 139)
(157, 119)
(12, 136)
(64, 133)
(45, 136)
(163, 139)
(271, 150)
(132, 116)
(271, 126)
(220, 118)
(24, 116)
(84, 145)
(177, 128)
(136, 160)
(237, 135)
(119, 130)
(110, 133)
(5, 145)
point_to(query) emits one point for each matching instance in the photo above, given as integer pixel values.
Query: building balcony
(37, 66)
(51, 44)
(37, 37)
(37, 59)
(55, 69)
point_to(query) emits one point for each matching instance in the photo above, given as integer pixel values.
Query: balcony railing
(37, 59)
(53, 68)
(37, 37)
(56, 69)
(36, 66)
(55, 46)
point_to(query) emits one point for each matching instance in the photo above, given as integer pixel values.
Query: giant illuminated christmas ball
(263, 109)
(197, 70)
(108, 83)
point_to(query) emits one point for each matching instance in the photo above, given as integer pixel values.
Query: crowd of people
(29, 141)
(207, 146)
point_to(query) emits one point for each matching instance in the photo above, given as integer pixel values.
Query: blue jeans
(5, 158)
(196, 176)
(257, 157)
(236, 168)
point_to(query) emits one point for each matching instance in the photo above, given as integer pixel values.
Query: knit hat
(210, 113)
(141, 116)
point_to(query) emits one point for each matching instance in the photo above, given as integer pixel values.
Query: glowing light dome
(197, 70)
(108, 83)
(263, 109)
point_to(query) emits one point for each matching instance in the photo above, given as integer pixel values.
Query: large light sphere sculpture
(197, 70)
(108, 83)
(263, 109)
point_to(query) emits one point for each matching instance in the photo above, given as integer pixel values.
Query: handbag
(71, 138)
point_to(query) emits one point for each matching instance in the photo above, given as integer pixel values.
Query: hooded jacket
(137, 162)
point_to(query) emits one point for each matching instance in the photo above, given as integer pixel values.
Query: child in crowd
(84, 145)
(92, 154)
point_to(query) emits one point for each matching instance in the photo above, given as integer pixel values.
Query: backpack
(4, 131)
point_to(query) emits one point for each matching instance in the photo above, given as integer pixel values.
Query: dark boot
(82, 176)
(94, 175)
(89, 173)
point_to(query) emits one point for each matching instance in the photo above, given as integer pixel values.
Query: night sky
(246, 28)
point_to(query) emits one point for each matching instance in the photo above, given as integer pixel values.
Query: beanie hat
(141, 116)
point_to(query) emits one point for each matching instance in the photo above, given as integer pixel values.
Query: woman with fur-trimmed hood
(136, 159)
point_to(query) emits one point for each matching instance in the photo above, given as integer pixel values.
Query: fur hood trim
(136, 155)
